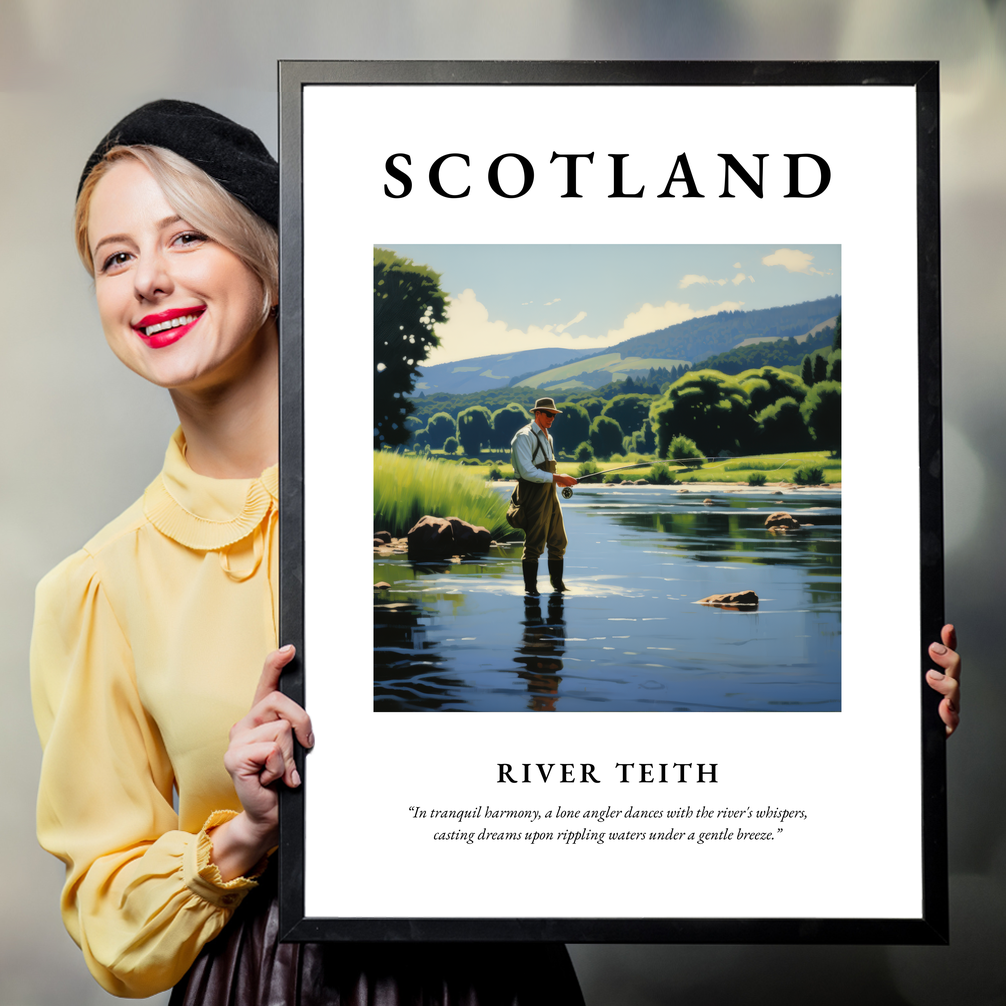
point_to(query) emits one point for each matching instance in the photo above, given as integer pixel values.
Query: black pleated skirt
(246, 965)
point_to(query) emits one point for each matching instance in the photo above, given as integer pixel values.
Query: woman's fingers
(270, 703)
(949, 636)
(271, 671)
(277, 706)
(947, 681)
(259, 762)
(275, 735)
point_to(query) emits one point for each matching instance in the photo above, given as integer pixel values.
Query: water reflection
(542, 646)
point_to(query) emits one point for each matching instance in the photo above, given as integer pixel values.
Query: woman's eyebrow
(160, 225)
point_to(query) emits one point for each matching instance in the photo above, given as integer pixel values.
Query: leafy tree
(440, 426)
(835, 366)
(629, 411)
(708, 407)
(820, 368)
(783, 428)
(506, 422)
(822, 412)
(769, 384)
(807, 372)
(408, 302)
(636, 443)
(414, 423)
(837, 342)
(451, 445)
(593, 406)
(584, 452)
(573, 426)
(649, 437)
(474, 429)
(684, 449)
(605, 436)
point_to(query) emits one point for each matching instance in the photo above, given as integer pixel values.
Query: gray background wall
(82, 437)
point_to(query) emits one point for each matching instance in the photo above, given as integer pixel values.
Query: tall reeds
(407, 488)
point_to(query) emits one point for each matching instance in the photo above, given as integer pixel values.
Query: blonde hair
(199, 200)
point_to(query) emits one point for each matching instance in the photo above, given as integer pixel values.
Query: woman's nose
(152, 277)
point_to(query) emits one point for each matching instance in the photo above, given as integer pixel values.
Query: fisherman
(533, 459)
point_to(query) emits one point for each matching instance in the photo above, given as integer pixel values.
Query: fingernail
(295, 777)
(310, 740)
(936, 675)
(286, 649)
(938, 648)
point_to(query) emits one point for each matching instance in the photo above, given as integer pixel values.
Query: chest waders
(542, 526)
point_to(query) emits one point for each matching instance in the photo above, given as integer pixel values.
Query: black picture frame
(931, 924)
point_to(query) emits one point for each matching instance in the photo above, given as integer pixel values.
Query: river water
(629, 634)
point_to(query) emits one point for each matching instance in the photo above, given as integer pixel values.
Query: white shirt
(523, 448)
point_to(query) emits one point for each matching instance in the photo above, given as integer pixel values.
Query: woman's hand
(260, 754)
(947, 682)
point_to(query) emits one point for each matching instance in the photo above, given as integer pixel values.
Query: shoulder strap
(537, 445)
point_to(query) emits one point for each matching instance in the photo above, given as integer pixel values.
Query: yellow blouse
(147, 647)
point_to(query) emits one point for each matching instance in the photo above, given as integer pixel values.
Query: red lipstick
(166, 326)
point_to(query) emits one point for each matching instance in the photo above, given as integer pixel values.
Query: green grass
(407, 488)
(775, 467)
(808, 475)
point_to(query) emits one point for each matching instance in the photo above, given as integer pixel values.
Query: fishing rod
(567, 491)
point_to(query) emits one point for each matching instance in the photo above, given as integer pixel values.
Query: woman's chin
(172, 375)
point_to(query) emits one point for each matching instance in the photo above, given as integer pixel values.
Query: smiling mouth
(164, 326)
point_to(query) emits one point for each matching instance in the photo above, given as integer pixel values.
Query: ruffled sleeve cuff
(203, 878)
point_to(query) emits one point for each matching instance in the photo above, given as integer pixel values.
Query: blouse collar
(204, 513)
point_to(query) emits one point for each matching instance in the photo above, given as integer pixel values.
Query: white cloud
(794, 261)
(691, 279)
(562, 328)
(649, 318)
(469, 333)
(549, 303)
(737, 265)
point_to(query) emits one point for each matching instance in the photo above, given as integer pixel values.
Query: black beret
(230, 154)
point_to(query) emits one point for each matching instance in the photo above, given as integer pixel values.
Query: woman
(148, 643)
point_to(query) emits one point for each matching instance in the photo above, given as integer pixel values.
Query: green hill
(594, 372)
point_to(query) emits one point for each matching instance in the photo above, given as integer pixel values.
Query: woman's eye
(114, 261)
(190, 238)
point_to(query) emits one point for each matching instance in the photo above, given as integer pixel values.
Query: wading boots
(530, 568)
(555, 575)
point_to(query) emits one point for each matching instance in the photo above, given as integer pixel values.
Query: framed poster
(493, 765)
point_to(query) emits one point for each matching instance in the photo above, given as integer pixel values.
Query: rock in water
(469, 537)
(382, 585)
(748, 597)
(781, 520)
(432, 535)
(384, 536)
(442, 536)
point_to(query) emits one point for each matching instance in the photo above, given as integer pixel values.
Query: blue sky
(507, 298)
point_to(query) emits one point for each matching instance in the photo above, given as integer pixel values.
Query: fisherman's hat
(546, 405)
